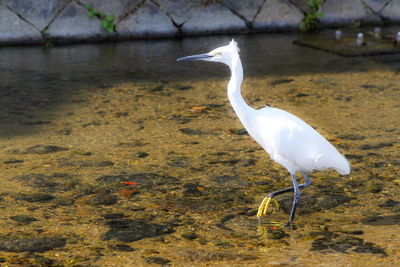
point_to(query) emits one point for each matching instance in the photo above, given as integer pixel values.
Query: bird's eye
(218, 54)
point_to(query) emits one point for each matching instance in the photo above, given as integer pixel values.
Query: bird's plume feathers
(234, 46)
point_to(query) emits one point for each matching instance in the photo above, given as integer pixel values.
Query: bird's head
(221, 54)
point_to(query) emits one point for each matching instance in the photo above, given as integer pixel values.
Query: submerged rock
(192, 190)
(44, 149)
(111, 216)
(25, 219)
(41, 244)
(102, 198)
(273, 233)
(157, 260)
(352, 136)
(189, 131)
(181, 162)
(65, 131)
(13, 161)
(189, 235)
(37, 180)
(377, 146)
(37, 197)
(198, 255)
(241, 131)
(121, 247)
(389, 203)
(105, 163)
(53, 182)
(281, 81)
(82, 152)
(127, 230)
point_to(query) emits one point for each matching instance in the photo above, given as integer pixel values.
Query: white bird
(287, 139)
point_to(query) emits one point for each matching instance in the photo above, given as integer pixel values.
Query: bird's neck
(234, 94)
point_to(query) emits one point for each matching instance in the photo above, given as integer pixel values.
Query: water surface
(116, 154)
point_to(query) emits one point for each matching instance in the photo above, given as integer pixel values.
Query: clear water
(126, 156)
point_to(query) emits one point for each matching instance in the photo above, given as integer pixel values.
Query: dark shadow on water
(315, 199)
(331, 241)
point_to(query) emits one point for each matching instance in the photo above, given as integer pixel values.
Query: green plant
(310, 22)
(106, 21)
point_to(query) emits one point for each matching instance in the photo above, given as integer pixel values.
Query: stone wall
(37, 21)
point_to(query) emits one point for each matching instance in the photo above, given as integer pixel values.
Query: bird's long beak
(195, 57)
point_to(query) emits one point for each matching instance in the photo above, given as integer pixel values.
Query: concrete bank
(39, 21)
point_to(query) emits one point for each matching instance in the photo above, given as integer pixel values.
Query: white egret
(287, 139)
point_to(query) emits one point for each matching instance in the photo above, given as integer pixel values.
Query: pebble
(301, 95)
(13, 161)
(142, 154)
(189, 235)
(189, 131)
(185, 87)
(82, 153)
(241, 131)
(192, 190)
(121, 114)
(281, 81)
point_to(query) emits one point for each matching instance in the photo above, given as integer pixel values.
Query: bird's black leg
(295, 199)
(307, 183)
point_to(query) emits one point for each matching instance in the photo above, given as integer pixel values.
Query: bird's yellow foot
(264, 206)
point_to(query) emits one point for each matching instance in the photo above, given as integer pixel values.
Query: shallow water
(115, 154)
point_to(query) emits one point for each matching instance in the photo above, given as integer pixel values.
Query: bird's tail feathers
(338, 162)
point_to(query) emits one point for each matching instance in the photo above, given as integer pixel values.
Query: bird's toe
(265, 204)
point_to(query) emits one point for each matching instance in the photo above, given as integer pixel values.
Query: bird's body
(296, 145)
(287, 139)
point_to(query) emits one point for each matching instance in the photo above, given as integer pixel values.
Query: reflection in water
(116, 154)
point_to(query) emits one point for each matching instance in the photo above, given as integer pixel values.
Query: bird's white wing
(293, 143)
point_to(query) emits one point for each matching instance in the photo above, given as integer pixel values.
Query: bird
(287, 139)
